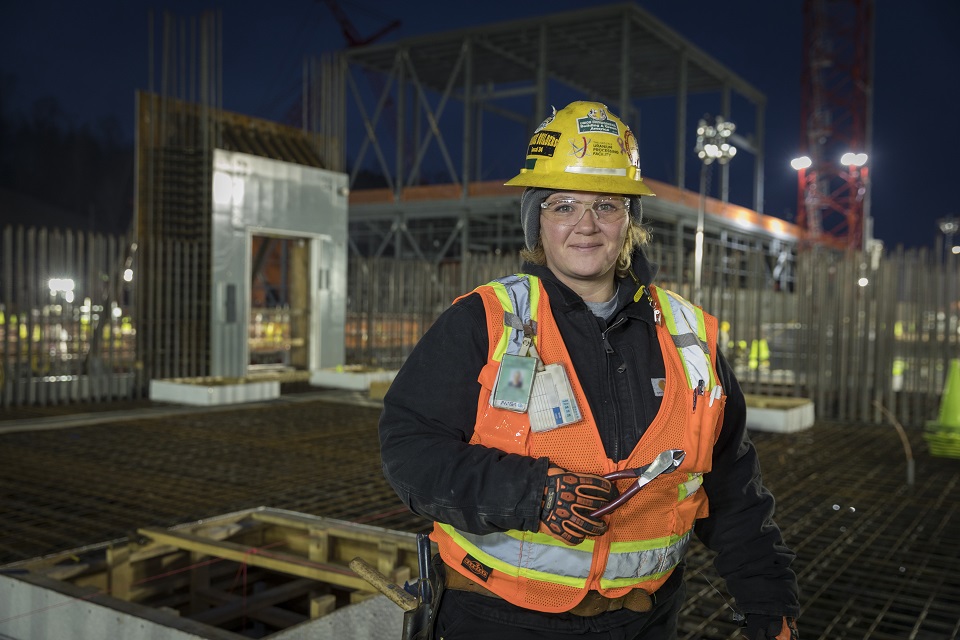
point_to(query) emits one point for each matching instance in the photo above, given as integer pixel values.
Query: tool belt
(594, 603)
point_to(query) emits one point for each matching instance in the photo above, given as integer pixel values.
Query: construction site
(189, 413)
(152, 514)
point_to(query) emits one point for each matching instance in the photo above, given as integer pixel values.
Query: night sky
(92, 56)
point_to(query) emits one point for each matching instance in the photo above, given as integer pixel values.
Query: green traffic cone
(950, 403)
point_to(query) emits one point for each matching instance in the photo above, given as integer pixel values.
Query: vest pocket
(709, 427)
(506, 430)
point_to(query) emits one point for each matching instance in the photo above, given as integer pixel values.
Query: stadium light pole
(857, 174)
(800, 165)
(713, 144)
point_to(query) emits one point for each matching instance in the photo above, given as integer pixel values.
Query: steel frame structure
(444, 104)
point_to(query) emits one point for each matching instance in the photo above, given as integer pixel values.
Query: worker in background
(623, 372)
(724, 340)
(760, 354)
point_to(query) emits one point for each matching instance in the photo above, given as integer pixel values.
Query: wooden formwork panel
(255, 572)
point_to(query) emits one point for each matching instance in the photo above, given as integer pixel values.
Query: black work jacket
(430, 411)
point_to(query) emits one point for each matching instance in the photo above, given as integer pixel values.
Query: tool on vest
(698, 391)
(663, 463)
(568, 499)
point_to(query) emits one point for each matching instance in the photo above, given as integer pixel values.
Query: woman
(535, 541)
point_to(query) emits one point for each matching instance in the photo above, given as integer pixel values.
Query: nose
(590, 216)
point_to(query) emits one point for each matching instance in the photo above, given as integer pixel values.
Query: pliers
(663, 463)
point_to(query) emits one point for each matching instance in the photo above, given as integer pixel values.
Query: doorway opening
(279, 326)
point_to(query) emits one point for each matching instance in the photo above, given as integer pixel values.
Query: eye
(562, 206)
(607, 206)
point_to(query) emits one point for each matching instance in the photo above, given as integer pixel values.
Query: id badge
(511, 391)
(553, 404)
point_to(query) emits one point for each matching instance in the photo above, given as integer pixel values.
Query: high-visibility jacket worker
(648, 535)
(514, 423)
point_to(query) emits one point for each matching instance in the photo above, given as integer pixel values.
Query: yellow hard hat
(583, 147)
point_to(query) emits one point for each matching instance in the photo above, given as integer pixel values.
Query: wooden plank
(272, 560)
(318, 549)
(73, 571)
(387, 554)
(357, 597)
(322, 605)
(120, 571)
(337, 528)
(150, 551)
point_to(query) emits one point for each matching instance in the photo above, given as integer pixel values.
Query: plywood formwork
(253, 573)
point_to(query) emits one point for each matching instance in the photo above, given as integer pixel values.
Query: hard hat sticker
(547, 121)
(543, 143)
(583, 147)
(579, 151)
(592, 124)
(604, 149)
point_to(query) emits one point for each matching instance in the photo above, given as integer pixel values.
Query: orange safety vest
(647, 536)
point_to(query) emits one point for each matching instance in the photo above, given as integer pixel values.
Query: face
(584, 254)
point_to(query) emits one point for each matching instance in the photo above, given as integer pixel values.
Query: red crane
(350, 33)
(836, 95)
(353, 38)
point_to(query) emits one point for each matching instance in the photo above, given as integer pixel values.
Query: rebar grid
(876, 557)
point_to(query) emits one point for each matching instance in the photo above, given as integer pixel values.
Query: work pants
(460, 618)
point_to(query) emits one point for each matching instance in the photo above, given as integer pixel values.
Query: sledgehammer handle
(396, 594)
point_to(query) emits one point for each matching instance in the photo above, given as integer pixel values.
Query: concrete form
(264, 573)
(779, 415)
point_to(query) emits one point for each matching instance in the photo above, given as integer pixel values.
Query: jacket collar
(564, 298)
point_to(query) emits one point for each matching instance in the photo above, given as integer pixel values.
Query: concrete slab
(376, 617)
(779, 415)
(34, 607)
(205, 392)
(350, 378)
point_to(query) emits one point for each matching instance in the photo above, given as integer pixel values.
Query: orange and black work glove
(568, 500)
(770, 628)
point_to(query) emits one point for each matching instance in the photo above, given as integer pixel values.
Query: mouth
(584, 246)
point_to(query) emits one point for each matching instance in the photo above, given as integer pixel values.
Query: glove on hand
(568, 500)
(771, 628)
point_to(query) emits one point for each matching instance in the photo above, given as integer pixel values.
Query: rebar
(876, 557)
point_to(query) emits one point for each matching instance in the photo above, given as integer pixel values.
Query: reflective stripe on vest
(693, 483)
(647, 560)
(541, 557)
(553, 561)
(514, 554)
(520, 297)
(686, 325)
